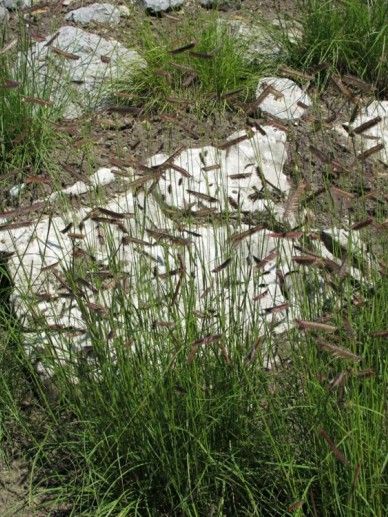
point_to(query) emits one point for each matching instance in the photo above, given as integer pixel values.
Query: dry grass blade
(201, 195)
(202, 55)
(233, 203)
(200, 342)
(164, 236)
(334, 449)
(339, 380)
(37, 100)
(14, 226)
(234, 141)
(277, 308)
(211, 168)
(287, 235)
(37, 180)
(358, 83)
(342, 88)
(231, 94)
(366, 125)
(163, 324)
(140, 182)
(315, 325)
(365, 374)
(295, 506)
(238, 237)
(222, 266)
(362, 224)
(63, 53)
(370, 152)
(183, 48)
(211, 338)
(10, 84)
(305, 260)
(356, 476)
(338, 352)
(8, 47)
(252, 354)
(295, 74)
(260, 296)
(380, 333)
(240, 176)
(183, 171)
(98, 309)
(293, 201)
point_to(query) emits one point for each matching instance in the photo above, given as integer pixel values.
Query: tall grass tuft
(27, 110)
(349, 36)
(212, 74)
(153, 429)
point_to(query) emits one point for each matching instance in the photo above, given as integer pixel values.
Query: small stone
(95, 13)
(124, 11)
(285, 99)
(157, 6)
(16, 190)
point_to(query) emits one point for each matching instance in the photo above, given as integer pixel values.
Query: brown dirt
(14, 491)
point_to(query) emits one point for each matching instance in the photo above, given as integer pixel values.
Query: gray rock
(82, 64)
(16, 4)
(157, 6)
(95, 13)
(214, 3)
(255, 40)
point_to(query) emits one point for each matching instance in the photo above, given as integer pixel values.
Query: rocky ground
(160, 195)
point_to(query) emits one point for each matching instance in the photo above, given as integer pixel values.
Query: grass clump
(348, 36)
(211, 74)
(155, 426)
(27, 112)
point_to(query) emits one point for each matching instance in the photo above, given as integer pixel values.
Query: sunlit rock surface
(282, 98)
(83, 63)
(156, 254)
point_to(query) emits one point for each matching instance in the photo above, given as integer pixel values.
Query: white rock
(16, 190)
(158, 6)
(102, 177)
(287, 99)
(224, 179)
(375, 135)
(81, 74)
(95, 13)
(229, 271)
